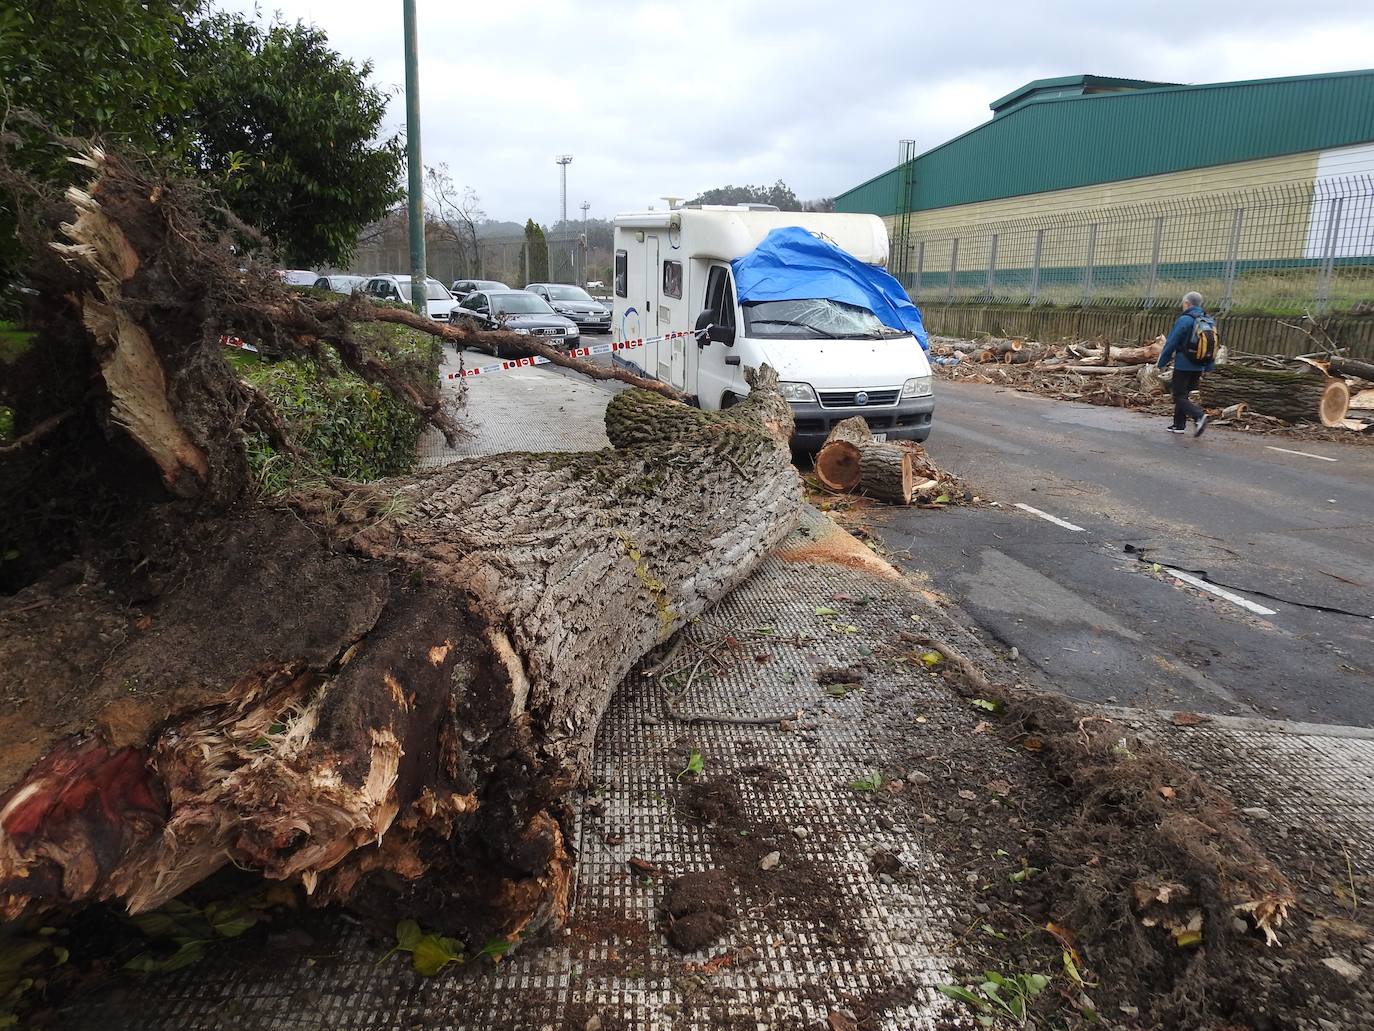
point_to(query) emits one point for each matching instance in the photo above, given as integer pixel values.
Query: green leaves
(430, 952)
(696, 764)
(999, 996)
(191, 928)
(869, 782)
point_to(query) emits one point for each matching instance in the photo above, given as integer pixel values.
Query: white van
(673, 275)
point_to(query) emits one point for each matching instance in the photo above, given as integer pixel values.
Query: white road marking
(1053, 519)
(1220, 592)
(1305, 454)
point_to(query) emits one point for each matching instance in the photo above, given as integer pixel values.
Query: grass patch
(14, 341)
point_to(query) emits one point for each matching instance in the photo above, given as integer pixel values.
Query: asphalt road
(1096, 611)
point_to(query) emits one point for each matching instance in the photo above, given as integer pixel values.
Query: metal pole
(1154, 261)
(1329, 255)
(920, 270)
(1088, 265)
(419, 287)
(953, 268)
(992, 267)
(1035, 266)
(1232, 253)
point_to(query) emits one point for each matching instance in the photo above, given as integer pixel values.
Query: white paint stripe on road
(1220, 592)
(1305, 454)
(1053, 519)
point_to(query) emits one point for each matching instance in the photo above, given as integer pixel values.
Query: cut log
(837, 462)
(1144, 355)
(1364, 400)
(885, 473)
(1290, 396)
(1351, 367)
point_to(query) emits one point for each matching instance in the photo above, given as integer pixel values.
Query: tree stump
(851, 460)
(837, 462)
(1292, 396)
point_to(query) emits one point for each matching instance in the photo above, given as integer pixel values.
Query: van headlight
(917, 386)
(797, 391)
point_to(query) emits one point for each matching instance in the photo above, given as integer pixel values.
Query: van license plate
(880, 437)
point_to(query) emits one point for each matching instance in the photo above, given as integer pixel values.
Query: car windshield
(436, 290)
(813, 319)
(519, 303)
(568, 293)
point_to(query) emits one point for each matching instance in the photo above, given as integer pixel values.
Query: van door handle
(732, 359)
(646, 307)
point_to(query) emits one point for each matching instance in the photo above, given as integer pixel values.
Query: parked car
(517, 311)
(340, 284)
(397, 288)
(297, 276)
(575, 303)
(462, 287)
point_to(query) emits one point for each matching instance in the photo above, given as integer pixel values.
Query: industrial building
(1089, 189)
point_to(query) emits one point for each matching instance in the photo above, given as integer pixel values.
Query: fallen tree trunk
(1291, 396)
(885, 473)
(1351, 367)
(383, 693)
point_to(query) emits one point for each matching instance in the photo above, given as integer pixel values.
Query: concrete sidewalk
(853, 919)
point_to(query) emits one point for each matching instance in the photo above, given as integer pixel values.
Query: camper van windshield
(813, 319)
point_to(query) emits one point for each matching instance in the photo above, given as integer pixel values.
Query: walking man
(1192, 346)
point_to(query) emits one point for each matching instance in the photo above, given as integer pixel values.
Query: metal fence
(450, 257)
(1280, 249)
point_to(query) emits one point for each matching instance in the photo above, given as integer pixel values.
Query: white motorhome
(673, 275)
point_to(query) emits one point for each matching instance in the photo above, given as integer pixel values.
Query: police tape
(573, 352)
(238, 342)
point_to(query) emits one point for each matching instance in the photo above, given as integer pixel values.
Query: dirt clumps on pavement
(1154, 903)
(697, 909)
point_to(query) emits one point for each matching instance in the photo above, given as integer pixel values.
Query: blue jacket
(1178, 338)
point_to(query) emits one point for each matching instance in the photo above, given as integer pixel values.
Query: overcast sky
(655, 99)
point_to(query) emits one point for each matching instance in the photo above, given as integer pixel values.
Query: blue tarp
(793, 265)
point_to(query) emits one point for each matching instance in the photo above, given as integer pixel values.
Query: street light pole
(419, 278)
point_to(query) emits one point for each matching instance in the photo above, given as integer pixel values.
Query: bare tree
(453, 213)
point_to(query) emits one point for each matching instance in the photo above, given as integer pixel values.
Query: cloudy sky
(657, 99)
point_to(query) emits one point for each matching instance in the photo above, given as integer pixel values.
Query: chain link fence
(1280, 249)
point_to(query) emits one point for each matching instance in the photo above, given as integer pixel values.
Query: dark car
(590, 314)
(462, 287)
(517, 311)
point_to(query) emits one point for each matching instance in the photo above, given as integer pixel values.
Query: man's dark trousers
(1184, 383)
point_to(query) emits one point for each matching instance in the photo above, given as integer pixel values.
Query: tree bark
(885, 474)
(1351, 367)
(1291, 396)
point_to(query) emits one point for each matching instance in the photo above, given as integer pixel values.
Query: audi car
(517, 311)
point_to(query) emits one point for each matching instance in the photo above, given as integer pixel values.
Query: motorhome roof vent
(732, 207)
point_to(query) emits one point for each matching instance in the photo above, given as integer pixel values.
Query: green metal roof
(1079, 84)
(1059, 142)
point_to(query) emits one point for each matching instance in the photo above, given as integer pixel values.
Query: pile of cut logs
(1329, 389)
(897, 472)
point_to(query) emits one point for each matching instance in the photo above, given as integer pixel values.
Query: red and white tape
(237, 342)
(574, 352)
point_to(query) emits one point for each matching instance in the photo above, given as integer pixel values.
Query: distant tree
(537, 248)
(453, 213)
(820, 204)
(780, 195)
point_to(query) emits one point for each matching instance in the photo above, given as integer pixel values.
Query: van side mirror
(708, 331)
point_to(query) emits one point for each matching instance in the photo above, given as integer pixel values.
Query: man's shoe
(1201, 425)
(1177, 429)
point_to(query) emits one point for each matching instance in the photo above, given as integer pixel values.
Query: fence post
(1035, 265)
(953, 268)
(1154, 261)
(1088, 264)
(992, 267)
(1232, 253)
(1329, 255)
(920, 268)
